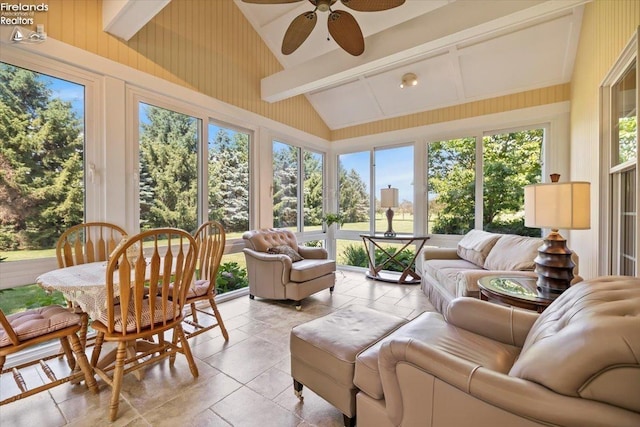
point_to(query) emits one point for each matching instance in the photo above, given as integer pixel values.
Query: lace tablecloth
(83, 284)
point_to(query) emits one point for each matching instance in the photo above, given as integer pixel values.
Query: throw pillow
(476, 245)
(286, 250)
(513, 253)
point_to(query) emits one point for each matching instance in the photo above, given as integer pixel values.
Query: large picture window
(509, 161)
(42, 139)
(354, 182)
(168, 168)
(228, 178)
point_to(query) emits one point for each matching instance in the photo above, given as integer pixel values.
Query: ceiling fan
(342, 25)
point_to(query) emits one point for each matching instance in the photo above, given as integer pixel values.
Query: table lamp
(389, 199)
(556, 206)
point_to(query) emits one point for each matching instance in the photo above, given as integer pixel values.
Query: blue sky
(393, 166)
(67, 91)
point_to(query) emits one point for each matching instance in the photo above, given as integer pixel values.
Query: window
(42, 146)
(451, 186)
(285, 186)
(168, 168)
(623, 175)
(509, 162)
(288, 195)
(313, 190)
(228, 179)
(394, 167)
(354, 178)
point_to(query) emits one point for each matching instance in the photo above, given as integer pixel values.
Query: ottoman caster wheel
(299, 307)
(297, 389)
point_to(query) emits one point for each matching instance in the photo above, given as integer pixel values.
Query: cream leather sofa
(448, 273)
(576, 364)
(290, 271)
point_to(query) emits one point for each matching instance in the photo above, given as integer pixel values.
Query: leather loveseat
(576, 364)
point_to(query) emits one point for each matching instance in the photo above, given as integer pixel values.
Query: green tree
(312, 188)
(229, 180)
(510, 161)
(285, 185)
(41, 155)
(354, 197)
(168, 170)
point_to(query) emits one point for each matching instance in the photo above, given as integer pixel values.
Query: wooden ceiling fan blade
(298, 31)
(271, 1)
(345, 30)
(372, 5)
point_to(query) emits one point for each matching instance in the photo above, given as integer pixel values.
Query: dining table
(85, 286)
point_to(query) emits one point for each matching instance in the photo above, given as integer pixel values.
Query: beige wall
(606, 28)
(205, 45)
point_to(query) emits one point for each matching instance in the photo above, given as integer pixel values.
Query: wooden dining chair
(85, 243)
(210, 239)
(24, 330)
(88, 242)
(147, 304)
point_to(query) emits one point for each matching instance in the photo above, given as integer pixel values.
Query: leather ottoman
(324, 350)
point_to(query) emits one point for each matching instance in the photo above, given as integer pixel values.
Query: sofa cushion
(476, 245)
(431, 329)
(587, 343)
(513, 253)
(446, 271)
(309, 269)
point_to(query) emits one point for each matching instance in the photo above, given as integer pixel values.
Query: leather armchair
(276, 275)
(576, 364)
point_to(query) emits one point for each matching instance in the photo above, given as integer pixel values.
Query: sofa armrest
(313, 253)
(272, 265)
(507, 325)
(414, 373)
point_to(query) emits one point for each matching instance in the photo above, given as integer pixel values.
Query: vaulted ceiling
(460, 50)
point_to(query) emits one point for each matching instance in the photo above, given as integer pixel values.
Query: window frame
(611, 172)
(17, 273)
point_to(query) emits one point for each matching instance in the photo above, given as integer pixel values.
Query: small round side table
(515, 291)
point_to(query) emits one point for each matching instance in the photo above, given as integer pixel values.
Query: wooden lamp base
(554, 265)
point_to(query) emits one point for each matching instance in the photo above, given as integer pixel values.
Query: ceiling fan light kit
(342, 26)
(408, 80)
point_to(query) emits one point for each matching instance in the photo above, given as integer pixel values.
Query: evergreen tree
(285, 186)
(41, 159)
(312, 188)
(168, 170)
(354, 197)
(229, 180)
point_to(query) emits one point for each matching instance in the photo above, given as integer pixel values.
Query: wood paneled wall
(607, 27)
(204, 45)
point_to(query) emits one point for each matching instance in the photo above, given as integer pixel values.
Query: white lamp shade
(559, 205)
(389, 197)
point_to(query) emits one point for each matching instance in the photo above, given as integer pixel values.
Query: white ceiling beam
(458, 22)
(124, 18)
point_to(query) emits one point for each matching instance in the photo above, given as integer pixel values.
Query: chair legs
(198, 328)
(116, 383)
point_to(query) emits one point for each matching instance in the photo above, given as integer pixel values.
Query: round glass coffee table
(516, 291)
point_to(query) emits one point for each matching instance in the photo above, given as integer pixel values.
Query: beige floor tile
(242, 383)
(247, 408)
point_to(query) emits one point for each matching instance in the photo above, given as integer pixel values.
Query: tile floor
(243, 382)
